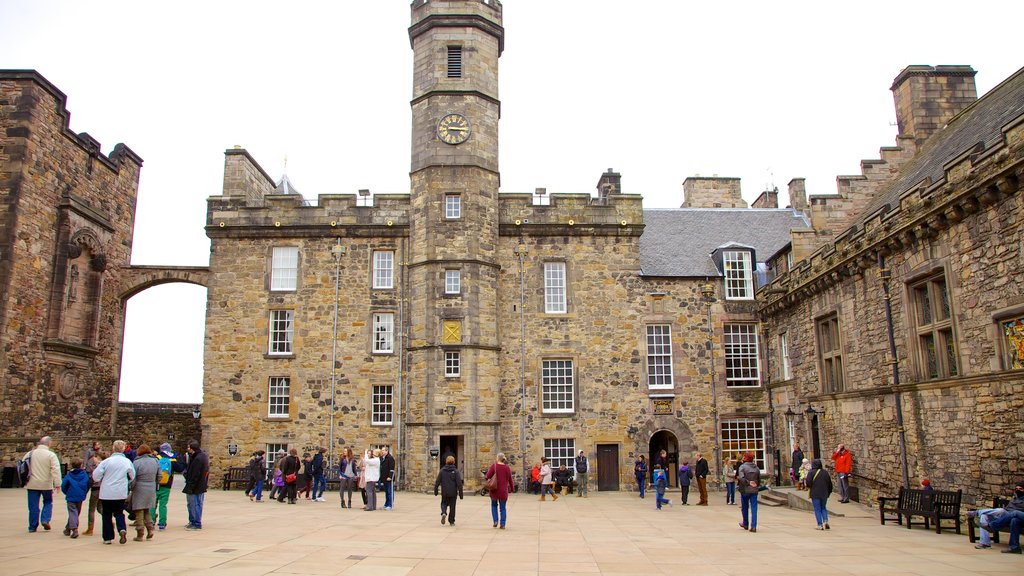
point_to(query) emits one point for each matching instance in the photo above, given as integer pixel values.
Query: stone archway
(667, 431)
(139, 278)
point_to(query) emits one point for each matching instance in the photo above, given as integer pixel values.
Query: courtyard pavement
(607, 533)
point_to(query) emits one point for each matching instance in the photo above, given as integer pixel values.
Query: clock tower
(451, 262)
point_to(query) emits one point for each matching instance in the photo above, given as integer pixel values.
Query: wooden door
(607, 467)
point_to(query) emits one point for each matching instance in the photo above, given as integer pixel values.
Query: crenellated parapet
(571, 215)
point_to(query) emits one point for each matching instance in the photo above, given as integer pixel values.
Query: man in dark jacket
(319, 480)
(581, 474)
(700, 470)
(797, 460)
(197, 474)
(1014, 516)
(450, 481)
(387, 476)
(562, 477)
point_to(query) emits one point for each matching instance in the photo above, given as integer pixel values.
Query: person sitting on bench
(563, 477)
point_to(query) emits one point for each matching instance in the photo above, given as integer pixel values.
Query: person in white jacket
(43, 479)
(371, 471)
(115, 475)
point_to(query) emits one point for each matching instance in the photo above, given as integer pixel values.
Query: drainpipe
(521, 251)
(708, 290)
(399, 392)
(337, 251)
(886, 275)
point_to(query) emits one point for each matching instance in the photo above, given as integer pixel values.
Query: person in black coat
(701, 471)
(387, 477)
(197, 474)
(290, 469)
(819, 484)
(797, 460)
(449, 479)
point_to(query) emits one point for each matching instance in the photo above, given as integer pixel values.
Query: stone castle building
(66, 218)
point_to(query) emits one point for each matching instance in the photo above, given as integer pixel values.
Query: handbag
(491, 484)
(290, 478)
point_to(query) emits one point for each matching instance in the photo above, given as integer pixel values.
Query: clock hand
(456, 128)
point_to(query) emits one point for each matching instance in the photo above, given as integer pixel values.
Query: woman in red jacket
(844, 467)
(499, 496)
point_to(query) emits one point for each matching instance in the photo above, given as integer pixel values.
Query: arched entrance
(667, 441)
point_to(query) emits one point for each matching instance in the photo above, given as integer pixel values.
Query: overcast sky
(764, 91)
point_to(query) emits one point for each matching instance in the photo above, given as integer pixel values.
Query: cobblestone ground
(607, 533)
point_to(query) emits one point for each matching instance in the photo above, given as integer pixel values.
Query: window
(784, 356)
(452, 364)
(558, 386)
(383, 333)
(739, 283)
(791, 427)
(1012, 331)
(789, 261)
(455, 61)
(281, 331)
(659, 356)
(452, 282)
(741, 365)
(933, 320)
(561, 451)
(279, 397)
(554, 287)
(272, 451)
(830, 354)
(383, 405)
(284, 268)
(744, 435)
(383, 270)
(453, 206)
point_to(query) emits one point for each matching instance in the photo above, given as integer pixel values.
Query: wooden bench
(972, 522)
(237, 475)
(333, 480)
(932, 505)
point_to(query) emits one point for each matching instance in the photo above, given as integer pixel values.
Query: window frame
(940, 331)
(451, 287)
(784, 360)
(554, 391)
(284, 399)
(739, 280)
(1006, 348)
(281, 340)
(382, 404)
(278, 271)
(739, 443)
(664, 369)
(383, 270)
(556, 284)
(271, 455)
(738, 355)
(561, 451)
(452, 364)
(831, 374)
(454, 53)
(453, 206)
(383, 333)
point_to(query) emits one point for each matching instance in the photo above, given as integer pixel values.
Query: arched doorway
(667, 441)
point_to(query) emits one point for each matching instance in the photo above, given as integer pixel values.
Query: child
(660, 483)
(685, 475)
(278, 480)
(805, 468)
(75, 488)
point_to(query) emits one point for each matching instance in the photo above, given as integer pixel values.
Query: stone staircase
(772, 497)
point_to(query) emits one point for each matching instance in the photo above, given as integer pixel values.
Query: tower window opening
(455, 61)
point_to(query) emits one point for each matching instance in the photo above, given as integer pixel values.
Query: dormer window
(455, 61)
(739, 275)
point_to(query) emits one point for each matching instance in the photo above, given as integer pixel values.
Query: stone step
(771, 498)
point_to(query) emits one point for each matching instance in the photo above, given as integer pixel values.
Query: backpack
(25, 468)
(165, 473)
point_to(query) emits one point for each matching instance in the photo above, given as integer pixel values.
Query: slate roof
(980, 123)
(679, 241)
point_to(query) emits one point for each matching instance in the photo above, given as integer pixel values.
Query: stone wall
(154, 424)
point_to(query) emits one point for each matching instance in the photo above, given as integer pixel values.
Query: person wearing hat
(169, 464)
(581, 475)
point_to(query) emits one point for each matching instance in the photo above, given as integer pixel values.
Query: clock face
(453, 129)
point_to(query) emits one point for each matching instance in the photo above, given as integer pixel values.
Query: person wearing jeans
(749, 477)
(114, 474)
(387, 476)
(319, 480)
(197, 472)
(640, 469)
(581, 475)
(1014, 516)
(499, 496)
(844, 467)
(43, 479)
(819, 484)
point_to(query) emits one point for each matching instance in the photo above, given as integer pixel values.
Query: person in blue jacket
(660, 483)
(75, 488)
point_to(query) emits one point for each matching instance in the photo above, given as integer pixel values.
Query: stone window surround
(575, 388)
(271, 266)
(670, 356)
(290, 332)
(373, 332)
(819, 319)
(565, 285)
(288, 398)
(452, 206)
(373, 270)
(928, 270)
(999, 316)
(452, 364)
(457, 282)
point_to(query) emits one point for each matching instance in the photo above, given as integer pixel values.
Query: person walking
(75, 487)
(43, 480)
(749, 477)
(449, 479)
(319, 480)
(276, 481)
(197, 474)
(90, 465)
(819, 485)
(701, 472)
(640, 470)
(348, 476)
(545, 480)
(499, 496)
(660, 485)
(257, 468)
(581, 475)
(169, 465)
(796, 461)
(147, 471)
(730, 481)
(114, 474)
(290, 474)
(371, 474)
(387, 476)
(844, 467)
(685, 475)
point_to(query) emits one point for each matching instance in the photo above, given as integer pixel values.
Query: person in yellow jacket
(43, 480)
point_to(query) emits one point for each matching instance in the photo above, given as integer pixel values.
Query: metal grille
(455, 61)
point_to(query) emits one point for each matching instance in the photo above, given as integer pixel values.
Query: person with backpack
(40, 474)
(75, 487)
(449, 479)
(257, 472)
(685, 476)
(169, 464)
(819, 484)
(749, 479)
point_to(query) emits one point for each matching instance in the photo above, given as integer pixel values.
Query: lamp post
(337, 251)
(196, 413)
(708, 291)
(450, 411)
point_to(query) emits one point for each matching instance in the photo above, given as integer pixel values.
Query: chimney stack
(712, 192)
(928, 97)
(767, 199)
(609, 184)
(798, 195)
